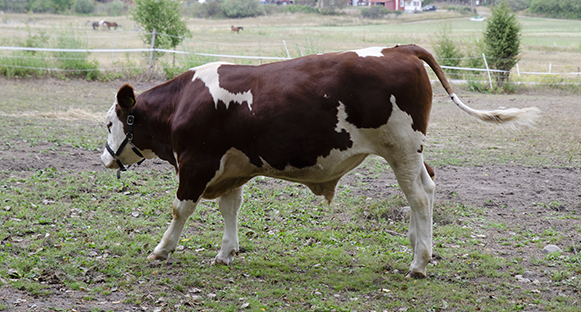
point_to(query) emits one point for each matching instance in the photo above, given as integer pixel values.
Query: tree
(164, 17)
(502, 38)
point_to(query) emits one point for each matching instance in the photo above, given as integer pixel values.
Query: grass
(299, 253)
(91, 233)
(544, 40)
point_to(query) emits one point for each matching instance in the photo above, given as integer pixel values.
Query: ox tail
(503, 116)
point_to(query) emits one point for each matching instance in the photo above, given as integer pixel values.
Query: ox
(308, 120)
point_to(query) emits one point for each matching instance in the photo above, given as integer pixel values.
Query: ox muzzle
(128, 140)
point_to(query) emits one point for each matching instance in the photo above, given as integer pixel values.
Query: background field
(74, 237)
(545, 41)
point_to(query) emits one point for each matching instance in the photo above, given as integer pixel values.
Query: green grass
(298, 252)
(93, 232)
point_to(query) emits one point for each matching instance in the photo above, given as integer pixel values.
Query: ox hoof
(154, 256)
(415, 275)
(225, 260)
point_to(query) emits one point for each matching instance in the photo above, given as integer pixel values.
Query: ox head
(120, 151)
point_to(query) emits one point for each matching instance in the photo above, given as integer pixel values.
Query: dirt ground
(518, 196)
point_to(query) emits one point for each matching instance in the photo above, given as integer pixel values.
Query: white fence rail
(457, 74)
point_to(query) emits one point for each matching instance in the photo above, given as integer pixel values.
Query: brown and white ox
(308, 120)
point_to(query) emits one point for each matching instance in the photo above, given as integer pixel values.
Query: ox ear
(126, 98)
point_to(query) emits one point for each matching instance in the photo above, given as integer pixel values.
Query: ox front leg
(182, 209)
(229, 205)
(419, 189)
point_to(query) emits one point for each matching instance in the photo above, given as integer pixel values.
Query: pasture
(73, 237)
(545, 41)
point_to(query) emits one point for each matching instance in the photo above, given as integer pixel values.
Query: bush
(557, 8)
(211, 8)
(75, 64)
(84, 6)
(242, 8)
(519, 5)
(461, 9)
(375, 12)
(115, 8)
(299, 8)
(27, 63)
(446, 50)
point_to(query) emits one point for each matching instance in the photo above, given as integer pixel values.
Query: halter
(128, 139)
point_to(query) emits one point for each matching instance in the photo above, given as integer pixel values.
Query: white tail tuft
(507, 117)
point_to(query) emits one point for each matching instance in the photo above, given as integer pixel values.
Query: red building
(399, 5)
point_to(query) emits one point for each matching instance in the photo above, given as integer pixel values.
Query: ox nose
(108, 162)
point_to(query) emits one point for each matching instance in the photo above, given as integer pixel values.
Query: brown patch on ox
(431, 172)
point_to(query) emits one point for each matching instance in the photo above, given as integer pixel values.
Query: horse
(236, 29)
(111, 24)
(97, 24)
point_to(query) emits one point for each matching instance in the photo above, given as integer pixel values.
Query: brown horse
(236, 29)
(111, 24)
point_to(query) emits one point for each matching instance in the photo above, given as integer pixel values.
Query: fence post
(288, 54)
(487, 70)
(517, 70)
(151, 54)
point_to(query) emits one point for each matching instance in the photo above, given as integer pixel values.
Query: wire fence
(190, 53)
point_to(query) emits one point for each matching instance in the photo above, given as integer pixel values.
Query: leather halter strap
(128, 140)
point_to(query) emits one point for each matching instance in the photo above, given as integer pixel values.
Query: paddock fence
(149, 61)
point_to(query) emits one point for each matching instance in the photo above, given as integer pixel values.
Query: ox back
(308, 120)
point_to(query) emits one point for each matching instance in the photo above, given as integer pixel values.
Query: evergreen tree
(502, 38)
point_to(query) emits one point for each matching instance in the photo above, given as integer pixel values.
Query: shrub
(84, 6)
(299, 8)
(446, 50)
(242, 8)
(557, 8)
(374, 12)
(211, 8)
(519, 5)
(27, 63)
(75, 64)
(115, 8)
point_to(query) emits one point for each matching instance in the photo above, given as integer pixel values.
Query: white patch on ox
(115, 138)
(371, 51)
(208, 74)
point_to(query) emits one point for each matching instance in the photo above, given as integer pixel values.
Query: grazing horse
(111, 24)
(236, 29)
(97, 24)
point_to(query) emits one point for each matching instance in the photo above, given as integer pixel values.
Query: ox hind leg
(418, 187)
(182, 209)
(229, 205)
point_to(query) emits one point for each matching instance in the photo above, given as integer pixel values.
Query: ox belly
(236, 169)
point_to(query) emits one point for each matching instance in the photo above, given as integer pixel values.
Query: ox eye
(109, 124)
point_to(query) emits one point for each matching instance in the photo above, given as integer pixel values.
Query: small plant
(75, 64)
(447, 51)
